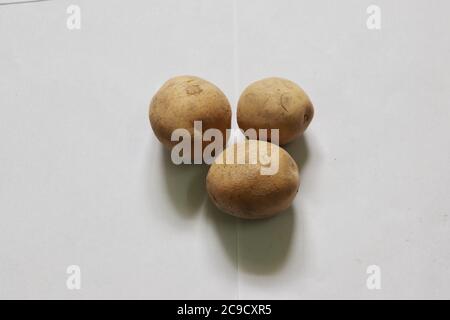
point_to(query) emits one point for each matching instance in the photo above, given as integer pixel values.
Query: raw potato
(183, 100)
(275, 103)
(242, 191)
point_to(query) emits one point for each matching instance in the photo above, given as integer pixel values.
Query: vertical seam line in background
(236, 95)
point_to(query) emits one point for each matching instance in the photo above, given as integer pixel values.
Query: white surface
(83, 180)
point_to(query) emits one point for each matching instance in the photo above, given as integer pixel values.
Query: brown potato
(275, 103)
(243, 191)
(183, 100)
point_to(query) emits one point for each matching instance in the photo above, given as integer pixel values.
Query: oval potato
(185, 99)
(275, 103)
(241, 189)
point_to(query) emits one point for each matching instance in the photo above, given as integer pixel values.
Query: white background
(84, 181)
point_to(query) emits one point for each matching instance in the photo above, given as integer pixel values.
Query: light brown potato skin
(241, 190)
(275, 103)
(183, 100)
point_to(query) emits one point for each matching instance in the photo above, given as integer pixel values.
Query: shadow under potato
(264, 245)
(261, 246)
(225, 226)
(298, 149)
(255, 246)
(185, 185)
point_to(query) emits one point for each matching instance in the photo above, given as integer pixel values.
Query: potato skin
(185, 99)
(275, 103)
(242, 191)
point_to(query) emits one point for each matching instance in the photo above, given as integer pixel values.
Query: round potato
(253, 179)
(183, 100)
(275, 103)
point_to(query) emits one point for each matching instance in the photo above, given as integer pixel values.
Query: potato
(242, 190)
(275, 103)
(183, 100)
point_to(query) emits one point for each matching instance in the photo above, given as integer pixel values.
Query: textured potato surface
(275, 103)
(240, 189)
(183, 100)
